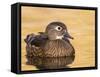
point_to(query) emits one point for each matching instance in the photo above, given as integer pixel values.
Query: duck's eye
(58, 28)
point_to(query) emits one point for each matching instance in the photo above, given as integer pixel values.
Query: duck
(53, 42)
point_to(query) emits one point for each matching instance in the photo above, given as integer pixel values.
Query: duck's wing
(34, 43)
(29, 38)
(36, 40)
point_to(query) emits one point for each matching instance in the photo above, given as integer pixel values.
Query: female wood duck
(54, 42)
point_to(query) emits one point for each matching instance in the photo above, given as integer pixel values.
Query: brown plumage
(58, 48)
(53, 42)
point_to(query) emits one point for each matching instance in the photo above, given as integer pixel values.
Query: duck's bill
(68, 36)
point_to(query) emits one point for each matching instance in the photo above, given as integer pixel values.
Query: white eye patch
(58, 28)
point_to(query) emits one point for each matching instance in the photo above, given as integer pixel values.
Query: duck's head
(57, 30)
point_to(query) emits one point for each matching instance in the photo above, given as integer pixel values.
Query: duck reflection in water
(50, 62)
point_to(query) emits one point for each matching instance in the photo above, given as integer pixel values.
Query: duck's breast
(57, 48)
